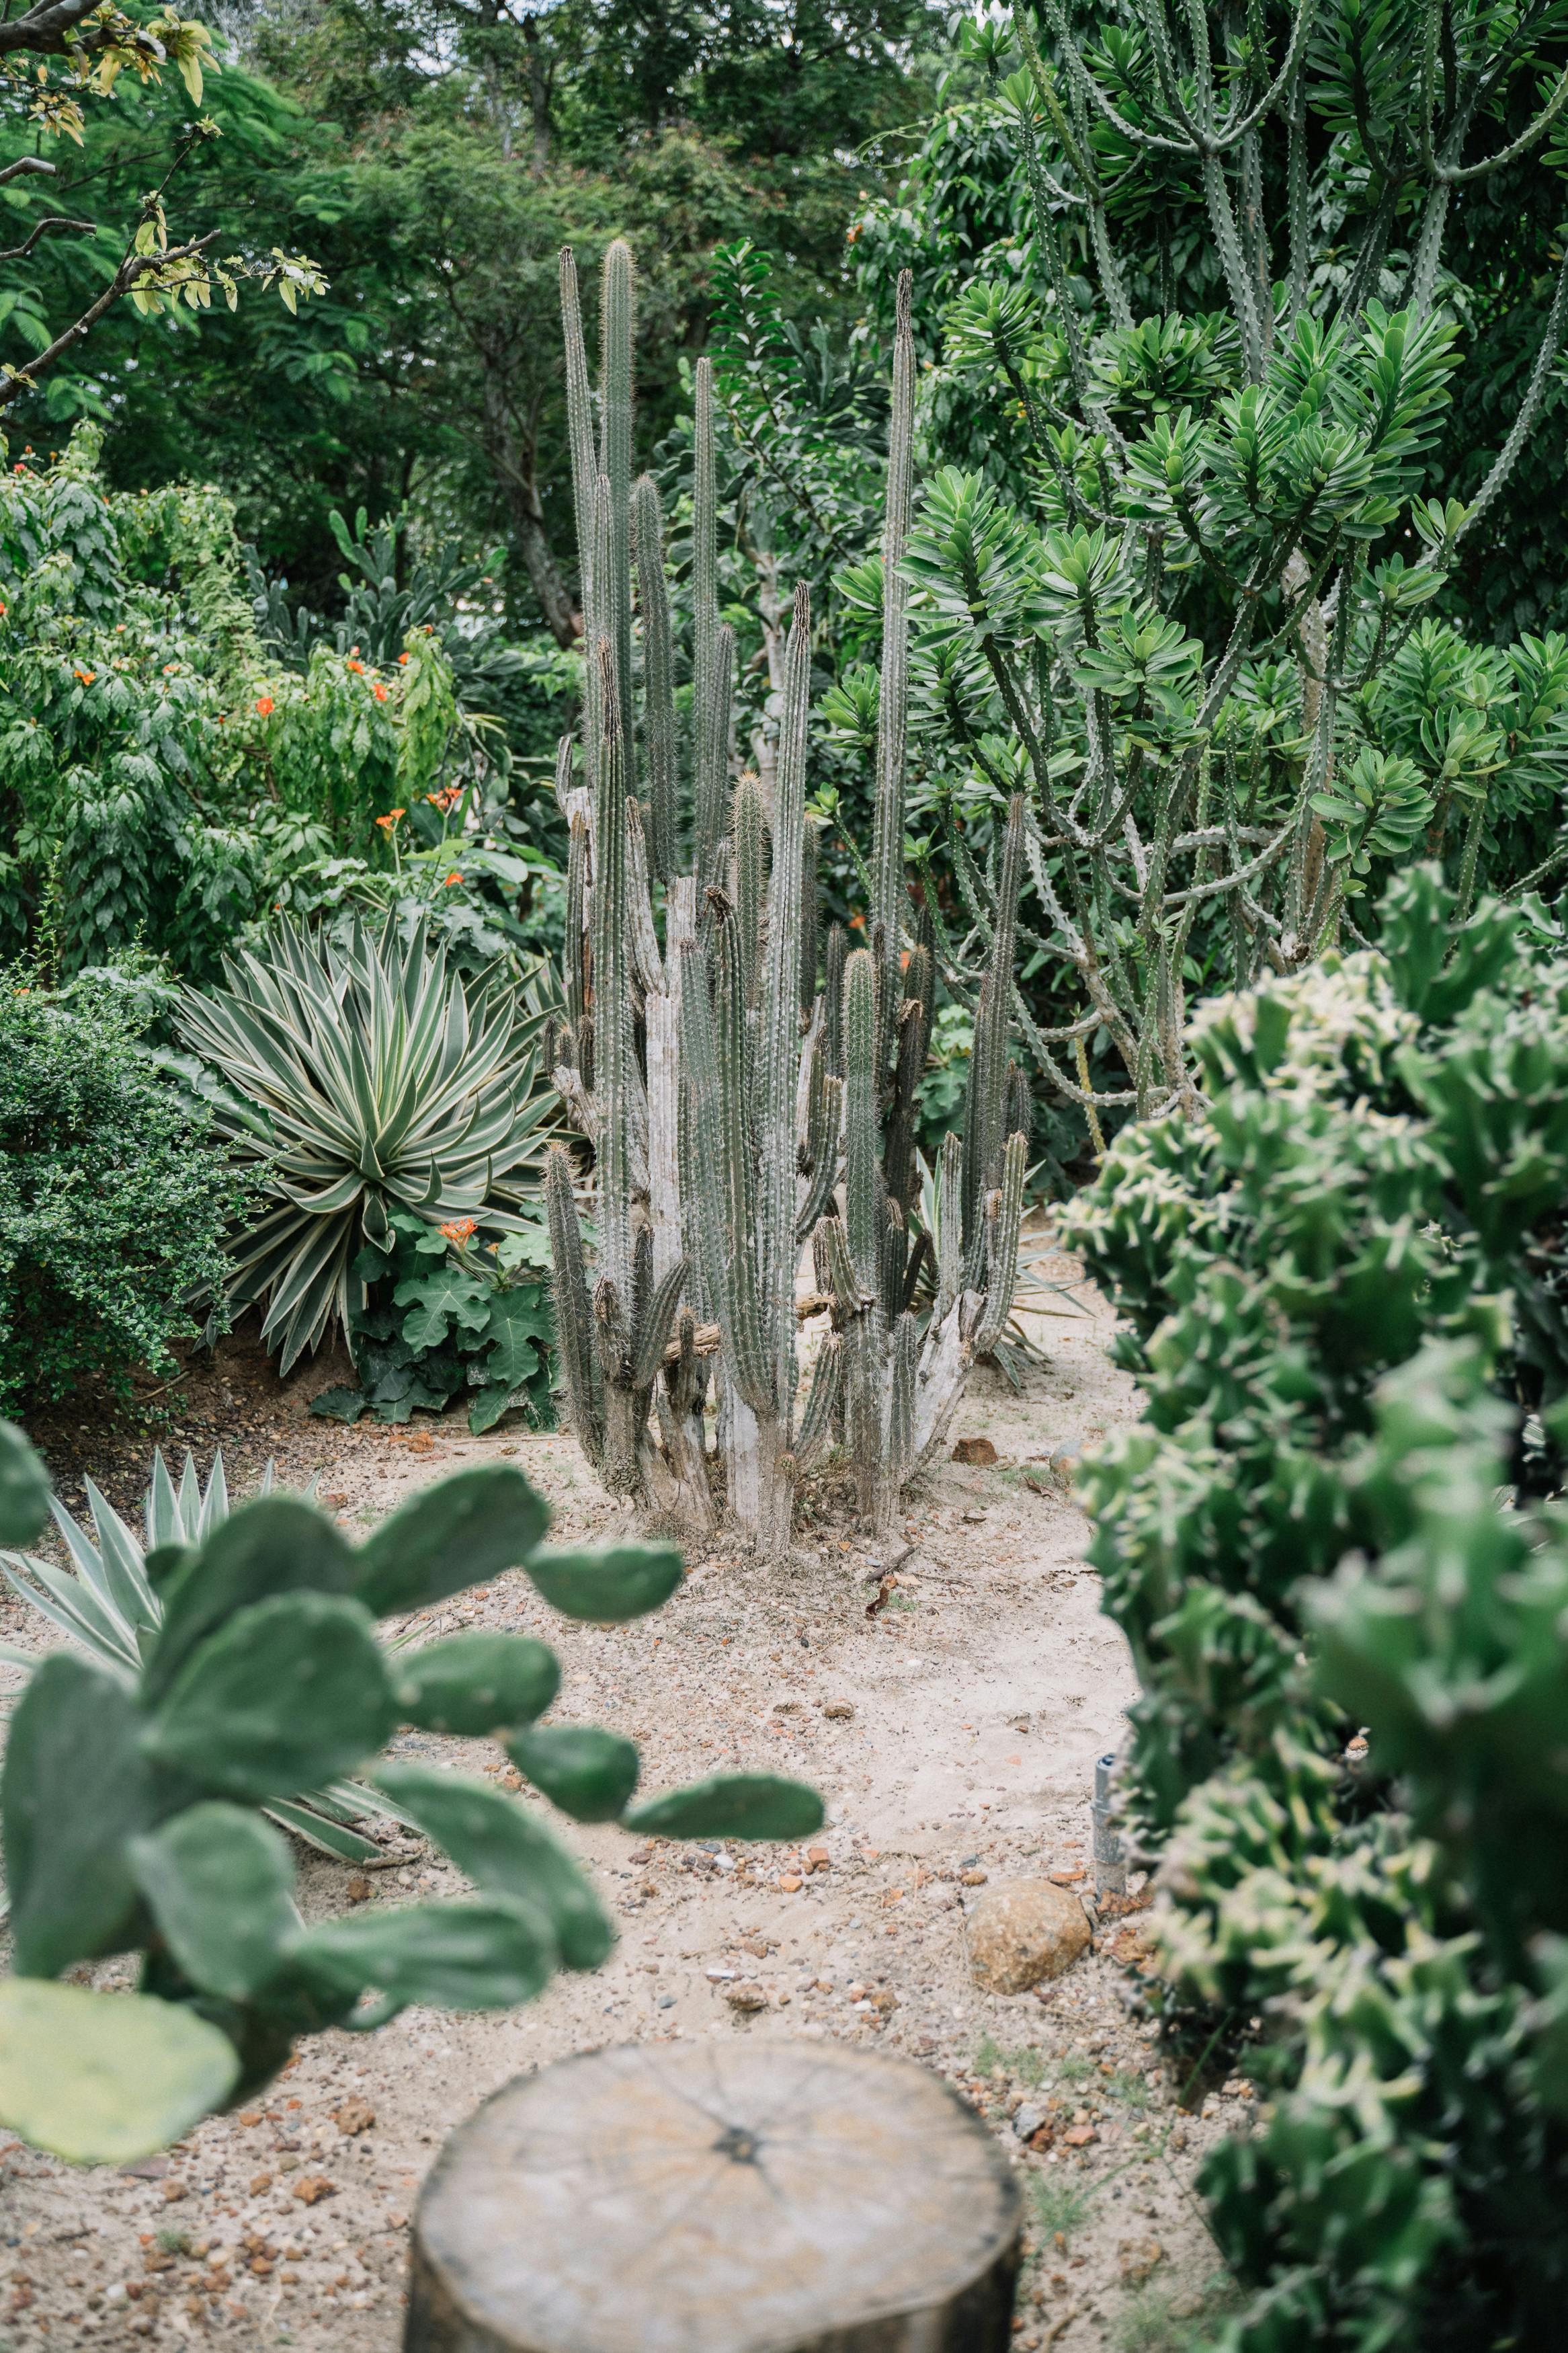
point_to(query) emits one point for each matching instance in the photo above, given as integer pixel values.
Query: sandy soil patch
(952, 1730)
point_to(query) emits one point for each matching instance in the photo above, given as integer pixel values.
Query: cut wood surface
(770, 2197)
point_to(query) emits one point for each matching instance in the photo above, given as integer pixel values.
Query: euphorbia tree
(1193, 619)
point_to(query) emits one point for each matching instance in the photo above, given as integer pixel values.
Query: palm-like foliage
(107, 1602)
(360, 1077)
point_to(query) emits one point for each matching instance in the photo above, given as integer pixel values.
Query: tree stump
(697, 2197)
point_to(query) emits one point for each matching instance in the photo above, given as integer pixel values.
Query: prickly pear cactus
(130, 1804)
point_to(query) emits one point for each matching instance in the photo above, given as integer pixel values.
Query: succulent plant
(106, 1601)
(129, 1804)
(357, 1078)
(722, 1083)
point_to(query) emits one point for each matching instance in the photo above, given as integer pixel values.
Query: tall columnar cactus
(741, 1036)
(902, 1383)
(723, 1092)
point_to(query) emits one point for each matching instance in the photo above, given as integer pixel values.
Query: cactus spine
(730, 1100)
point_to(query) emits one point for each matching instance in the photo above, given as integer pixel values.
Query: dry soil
(952, 1729)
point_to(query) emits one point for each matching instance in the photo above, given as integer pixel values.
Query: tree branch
(51, 224)
(134, 266)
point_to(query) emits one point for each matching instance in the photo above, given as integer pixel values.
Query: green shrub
(448, 1315)
(113, 1201)
(1343, 1291)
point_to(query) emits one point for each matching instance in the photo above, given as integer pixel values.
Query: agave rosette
(359, 1077)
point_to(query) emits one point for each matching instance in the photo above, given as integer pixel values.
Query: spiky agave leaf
(385, 1079)
(106, 1602)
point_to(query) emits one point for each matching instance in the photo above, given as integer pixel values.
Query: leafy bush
(128, 1804)
(113, 1200)
(1343, 1291)
(446, 1314)
(168, 773)
(355, 1081)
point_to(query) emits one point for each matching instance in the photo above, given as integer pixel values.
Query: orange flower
(358, 667)
(461, 1230)
(448, 797)
(451, 879)
(402, 658)
(856, 922)
(390, 819)
(87, 676)
(264, 706)
(379, 692)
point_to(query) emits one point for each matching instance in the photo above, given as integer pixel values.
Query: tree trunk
(735, 2198)
(539, 80)
(514, 471)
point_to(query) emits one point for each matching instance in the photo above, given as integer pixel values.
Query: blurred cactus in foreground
(133, 1797)
(741, 1103)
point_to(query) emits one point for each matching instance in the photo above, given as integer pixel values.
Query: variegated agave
(359, 1076)
(107, 1602)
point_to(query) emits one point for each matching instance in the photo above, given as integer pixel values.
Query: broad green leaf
(606, 1587)
(733, 1806)
(277, 1545)
(486, 1409)
(24, 1488)
(520, 1326)
(339, 1404)
(75, 1788)
(454, 1535)
(454, 1956)
(497, 1844)
(479, 1683)
(106, 2078)
(290, 1693)
(589, 1774)
(437, 1301)
(220, 1885)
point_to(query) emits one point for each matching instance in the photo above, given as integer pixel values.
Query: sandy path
(981, 1693)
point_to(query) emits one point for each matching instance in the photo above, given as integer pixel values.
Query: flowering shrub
(449, 1313)
(168, 774)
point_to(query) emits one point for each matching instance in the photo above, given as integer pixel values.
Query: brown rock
(314, 2187)
(354, 2117)
(1023, 1934)
(746, 1996)
(841, 1710)
(978, 1452)
(357, 1889)
(972, 1878)
(1137, 2258)
(259, 2182)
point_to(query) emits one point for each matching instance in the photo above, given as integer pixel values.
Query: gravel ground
(953, 1734)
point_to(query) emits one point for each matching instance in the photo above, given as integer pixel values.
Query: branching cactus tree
(746, 1094)
(1192, 615)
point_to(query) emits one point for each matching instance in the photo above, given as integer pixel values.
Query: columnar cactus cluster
(748, 1088)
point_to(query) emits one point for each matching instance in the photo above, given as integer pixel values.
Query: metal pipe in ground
(1110, 1854)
